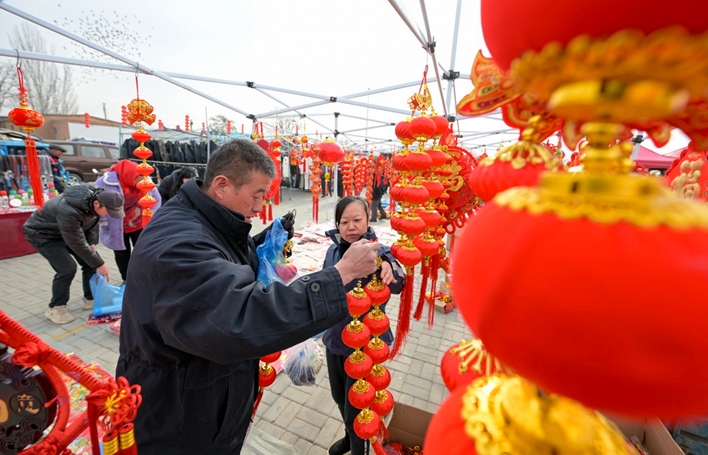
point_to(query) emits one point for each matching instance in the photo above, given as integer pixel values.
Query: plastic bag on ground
(304, 362)
(107, 298)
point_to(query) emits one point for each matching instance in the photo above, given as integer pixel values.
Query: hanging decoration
(502, 414)
(28, 119)
(687, 177)
(87, 120)
(141, 111)
(315, 187)
(228, 128)
(186, 123)
(617, 77)
(124, 115)
(160, 126)
(266, 377)
(369, 172)
(467, 361)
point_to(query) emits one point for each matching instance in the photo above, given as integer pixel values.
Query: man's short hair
(57, 148)
(236, 160)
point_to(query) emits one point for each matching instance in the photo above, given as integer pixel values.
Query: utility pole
(105, 116)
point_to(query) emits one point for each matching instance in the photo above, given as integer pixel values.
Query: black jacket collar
(231, 225)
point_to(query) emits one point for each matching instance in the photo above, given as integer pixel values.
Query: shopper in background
(119, 234)
(68, 226)
(170, 185)
(55, 153)
(351, 218)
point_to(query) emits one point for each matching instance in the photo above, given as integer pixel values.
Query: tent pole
(431, 50)
(451, 75)
(418, 34)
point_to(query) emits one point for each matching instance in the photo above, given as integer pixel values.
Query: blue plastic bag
(107, 298)
(272, 263)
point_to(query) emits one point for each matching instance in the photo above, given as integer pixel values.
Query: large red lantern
(330, 153)
(361, 394)
(535, 24)
(620, 294)
(467, 361)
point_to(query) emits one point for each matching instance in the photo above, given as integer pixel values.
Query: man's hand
(103, 270)
(387, 273)
(93, 247)
(289, 223)
(359, 261)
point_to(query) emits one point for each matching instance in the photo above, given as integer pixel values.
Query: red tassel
(378, 448)
(425, 271)
(382, 434)
(270, 212)
(404, 316)
(34, 176)
(257, 402)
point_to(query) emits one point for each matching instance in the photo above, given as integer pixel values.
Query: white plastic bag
(304, 362)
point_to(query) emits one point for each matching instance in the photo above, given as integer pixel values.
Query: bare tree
(51, 90)
(8, 85)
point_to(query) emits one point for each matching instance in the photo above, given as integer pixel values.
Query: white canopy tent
(343, 121)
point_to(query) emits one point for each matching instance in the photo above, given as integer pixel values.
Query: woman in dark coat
(352, 224)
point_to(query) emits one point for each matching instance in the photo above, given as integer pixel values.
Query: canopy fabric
(653, 160)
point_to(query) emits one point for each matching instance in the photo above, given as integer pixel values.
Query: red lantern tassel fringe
(404, 316)
(34, 175)
(270, 212)
(126, 438)
(378, 448)
(434, 267)
(382, 434)
(425, 271)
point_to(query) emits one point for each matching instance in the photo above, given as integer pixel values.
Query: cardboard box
(652, 433)
(408, 425)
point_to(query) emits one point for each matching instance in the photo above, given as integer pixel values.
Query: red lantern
(403, 132)
(415, 194)
(356, 335)
(535, 24)
(383, 403)
(377, 350)
(377, 322)
(406, 253)
(378, 292)
(426, 244)
(467, 361)
(358, 302)
(437, 157)
(87, 120)
(330, 152)
(509, 306)
(430, 217)
(361, 394)
(488, 180)
(357, 365)
(266, 375)
(422, 128)
(270, 358)
(379, 377)
(418, 161)
(441, 126)
(366, 424)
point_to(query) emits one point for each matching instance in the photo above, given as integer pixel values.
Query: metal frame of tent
(348, 138)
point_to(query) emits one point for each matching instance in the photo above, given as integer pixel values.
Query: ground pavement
(305, 417)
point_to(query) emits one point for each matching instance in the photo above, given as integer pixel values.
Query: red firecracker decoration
(228, 128)
(28, 119)
(186, 123)
(124, 115)
(87, 120)
(160, 126)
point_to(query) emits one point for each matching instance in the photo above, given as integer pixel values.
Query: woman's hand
(387, 273)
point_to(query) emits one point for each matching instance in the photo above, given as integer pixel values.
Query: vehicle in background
(81, 158)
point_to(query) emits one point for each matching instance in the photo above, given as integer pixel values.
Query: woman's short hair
(344, 202)
(237, 160)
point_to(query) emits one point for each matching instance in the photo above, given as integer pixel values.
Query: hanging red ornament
(28, 119)
(228, 128)
(356, 334)
(266, 375)
(403, 132)
(422, 128)
(357, 365)
(270, 358)
(379, 377)
(378, 292)
(141, 111)
(160, 126)
(87, 120)
(186, 123)
(330, 153)
(467, 361)
(361, 394)
(124, 115)
(358, 301)
(441, 126)
(366, 424)
(377, 322)
(383, 403)
(377, 350)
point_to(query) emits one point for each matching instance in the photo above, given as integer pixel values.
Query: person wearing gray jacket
(66, 228)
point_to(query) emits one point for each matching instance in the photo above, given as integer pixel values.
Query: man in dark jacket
(170, 185)
(196, 320)
(68, 226)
